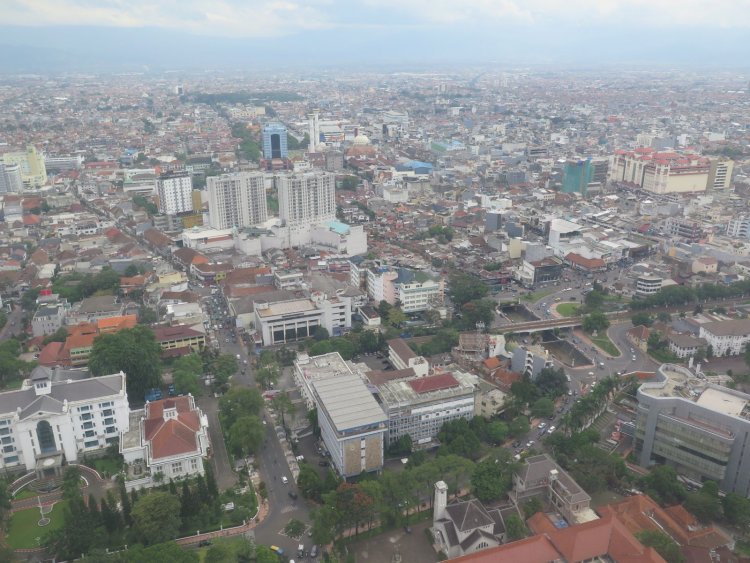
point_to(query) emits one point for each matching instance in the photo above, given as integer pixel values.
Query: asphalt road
(13, 326)
(272, 464)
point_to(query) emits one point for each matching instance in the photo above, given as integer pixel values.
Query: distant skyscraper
(306, 199)
(10, 178)
(314, 131)
(274, 141)
(175, 191)
(236, 200)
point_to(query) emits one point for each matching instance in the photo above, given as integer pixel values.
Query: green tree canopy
(663, 544)
(595, 322)
(156, 517)
(135, 352)
(464, 288)
(239, 402)
(245, 435)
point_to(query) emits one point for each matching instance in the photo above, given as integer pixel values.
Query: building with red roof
(167, 437)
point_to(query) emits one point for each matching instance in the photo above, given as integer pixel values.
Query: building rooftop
(734, 327)
(285, 307)
(721, 401)
(425, 389)
(348, 403)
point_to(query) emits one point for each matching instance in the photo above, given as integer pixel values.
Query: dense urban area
(473, 316)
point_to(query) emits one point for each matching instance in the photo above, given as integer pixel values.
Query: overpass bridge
(538, 326)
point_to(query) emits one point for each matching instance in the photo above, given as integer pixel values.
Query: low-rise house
(685, 345)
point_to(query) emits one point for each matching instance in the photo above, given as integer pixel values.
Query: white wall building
(307, 199)
(726, 338)
(237, 200)
(175, 191)
(46, 419)
(10, 178)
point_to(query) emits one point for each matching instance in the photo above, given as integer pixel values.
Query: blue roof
(417, 164)
(338, 227)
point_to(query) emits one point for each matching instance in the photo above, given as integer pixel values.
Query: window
(110, 429)
(9, 449)
(4, 431)
(87, 425)
(177, 467)
(5, 422)
(193, 465)
(107, 412)
(11, 459)
(109, 420)
(7, 440)
(87, 416)
(105, 405)
(89, 434)
(111, 440)
(84, 409)
(91, 444)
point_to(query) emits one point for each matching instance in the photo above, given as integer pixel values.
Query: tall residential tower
(307, 199)
(175, 191)
(236, 200)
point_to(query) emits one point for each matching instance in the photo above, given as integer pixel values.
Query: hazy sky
(163, 32)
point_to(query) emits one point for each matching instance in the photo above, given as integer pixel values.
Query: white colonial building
(46, 422)
(726, 338)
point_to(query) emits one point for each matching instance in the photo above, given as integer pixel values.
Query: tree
(515, 529)
(543, 408)
(705, 507)
(294, 528)
(642, 319)
(552, 382)
(594, 299)
(133, 351)
(263, 554)
(497, 432)
(661, 484)
(147, 316)
(401, 447)
(186, 372)
(238, 402)
(464, 288)
(519, 426)
(268, 376)
(396, 317)
(156, 517)
(4, 502)
(309, 482)
(245, 435)
(533, 506)
(220, 553)
(60, 335)
(492, 477)
(223, 367)
(283, 404)
(664, 317)
(320, 333)
(478, 311)
(595, 322)
(663, 544)
(736, 509)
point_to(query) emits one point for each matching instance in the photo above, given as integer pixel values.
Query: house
(180, 337)
(49, 318)
(638, 337)
(705, 265)
(464, 527)
(167, 437)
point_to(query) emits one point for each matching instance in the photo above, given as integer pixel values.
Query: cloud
(237, 18)
(270, 18)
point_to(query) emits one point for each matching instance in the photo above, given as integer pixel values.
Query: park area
(24, 531)
(567, 309)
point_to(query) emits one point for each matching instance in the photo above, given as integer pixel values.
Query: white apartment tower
(10, 178)
(307, 199)
(236, 200)
(175, 191)
(314, 124)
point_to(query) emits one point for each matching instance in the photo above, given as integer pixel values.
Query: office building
(580, 175)
(47, 422)
(10, 178)
(63, 163)
(307, 199)
(683, 228)
(720, 173)
(419, 406)
(699, 428)
(31, 166)
(236, 200)
(274, 141)
(314, 133)
(415, 290)
(739, 227)
(726, 338)
(175, 191)
(279, 322)
(646, 285)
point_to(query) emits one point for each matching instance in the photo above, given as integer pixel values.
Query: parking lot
(413, 547)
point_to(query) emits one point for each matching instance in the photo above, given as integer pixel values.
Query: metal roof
(348, 403)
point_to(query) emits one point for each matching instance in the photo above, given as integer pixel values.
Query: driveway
(225, 476)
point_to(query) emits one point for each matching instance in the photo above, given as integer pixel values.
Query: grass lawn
(23, 530)
(541, 294)
(106, 465)
(568, 309)
(26, 493)
(606, 344)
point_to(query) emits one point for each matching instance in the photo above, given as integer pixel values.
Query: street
(14, 325)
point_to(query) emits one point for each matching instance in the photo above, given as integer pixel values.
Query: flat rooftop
(348, 403)
(285, 308)
(414, 391)
(325, 366)
(722, 401)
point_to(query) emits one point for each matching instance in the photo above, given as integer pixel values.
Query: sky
(266, 33)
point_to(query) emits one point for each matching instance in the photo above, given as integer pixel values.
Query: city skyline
(45, 35)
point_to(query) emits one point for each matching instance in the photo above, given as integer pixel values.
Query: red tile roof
(433, 383)
(173, 436)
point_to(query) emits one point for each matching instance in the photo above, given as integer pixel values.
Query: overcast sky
(582, 32)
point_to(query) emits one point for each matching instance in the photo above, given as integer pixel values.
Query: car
(529, 443)
(634, 358)
(407, 529)
(314, 551)
(551, 417)
(551, 429)
(292, 495)
(542, 425)
(284, 479)
(323, 463)
(570, 392)
(517, 443)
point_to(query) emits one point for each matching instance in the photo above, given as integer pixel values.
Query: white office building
(236, 200)
(175, 191)
(726, 338)
(307, 199)
(46, 422)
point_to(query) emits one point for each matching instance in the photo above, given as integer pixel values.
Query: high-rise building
(236, 200)
(580, 175)
(274, 141)
(175, 191)
(10, 178)
(307, 199)
(31, 165)
(661, 172)
(314, 123)
(720, 173)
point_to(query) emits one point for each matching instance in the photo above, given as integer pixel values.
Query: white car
(551, 430)
(542, 425)
(529, 443)
(284, 479)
